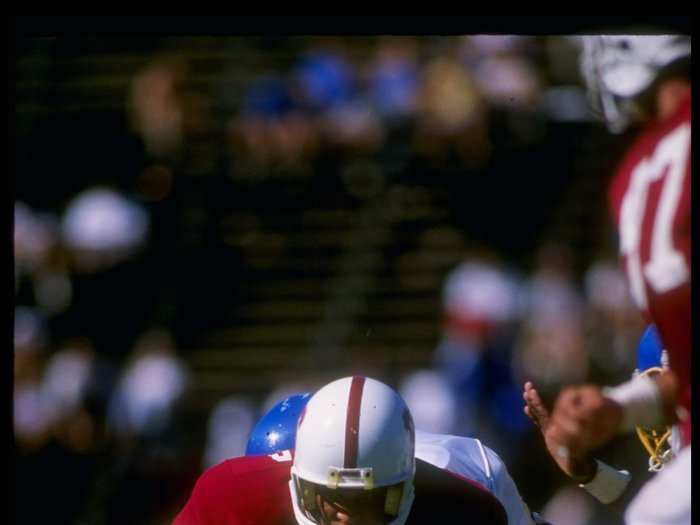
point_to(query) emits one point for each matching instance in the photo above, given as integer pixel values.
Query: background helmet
(277, 429)
(650, 352)
(355, 433)
(619, 68)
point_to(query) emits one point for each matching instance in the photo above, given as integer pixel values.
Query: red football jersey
(254, 490)
(650, 199)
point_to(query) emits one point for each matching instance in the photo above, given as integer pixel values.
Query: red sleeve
(249, 489)
(207, 504)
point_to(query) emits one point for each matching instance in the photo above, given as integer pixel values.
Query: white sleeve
(454, 453)
(505, 490)
(469, 458)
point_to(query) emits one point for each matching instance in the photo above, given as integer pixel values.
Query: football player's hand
(583, 419)
(579, 466)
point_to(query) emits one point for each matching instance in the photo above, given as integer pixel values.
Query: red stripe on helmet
(352, 423)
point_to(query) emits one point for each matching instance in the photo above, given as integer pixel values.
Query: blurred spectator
(30, 336)
(39, 257)
(452, 115)
(53, 290)
(565, 104)
(508, 81)
(552, 293)
(481, 305)
(34, 237)
(494, 45)
(173, 120)
(606, 289)
(228, 429)
(102, 228)
(67, 377)
(564, 98)
(155, 106)
(32, 421)
(477, 298)
(268, 96)
(55, 430)
(449, 100)
(504, 69)
(353, 125)
(431, 401)
(552, 342)
(149, 388)
(394, 78)
(613, 323)
(105, 235)
(323, 80)
(270, 127)
(150, 453)
(31, 417)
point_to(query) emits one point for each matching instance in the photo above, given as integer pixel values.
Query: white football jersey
(469, 458)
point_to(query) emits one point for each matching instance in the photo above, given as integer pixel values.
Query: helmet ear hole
(392, 503)
(308, 494)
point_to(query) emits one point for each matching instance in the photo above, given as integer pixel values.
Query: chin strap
(656, 441)
(657, 446)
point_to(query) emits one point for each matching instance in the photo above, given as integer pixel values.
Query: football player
(599, 479)
(645, 80)
(468, 457)
(354, 462)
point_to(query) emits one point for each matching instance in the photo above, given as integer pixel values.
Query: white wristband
(640, 401)
(608, 483)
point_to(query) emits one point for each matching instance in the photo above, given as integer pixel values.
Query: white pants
(665, 499)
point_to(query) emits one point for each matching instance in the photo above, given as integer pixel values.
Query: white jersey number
(281, 456)
(666, 267)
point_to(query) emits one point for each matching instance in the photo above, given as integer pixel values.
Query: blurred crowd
(119, 272)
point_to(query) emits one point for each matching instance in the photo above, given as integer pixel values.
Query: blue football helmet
(277, 430)
(650, 352)
(652, 359)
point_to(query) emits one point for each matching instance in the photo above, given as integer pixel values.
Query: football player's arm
(586, 417)
(646, 401)
(469, 458)
(602, 481)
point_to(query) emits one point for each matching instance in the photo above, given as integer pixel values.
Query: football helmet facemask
(619, 69)
(652, 359)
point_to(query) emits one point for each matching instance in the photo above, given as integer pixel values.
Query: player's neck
(669, 97)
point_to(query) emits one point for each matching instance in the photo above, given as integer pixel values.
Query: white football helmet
(618, 68)
(355, 433)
